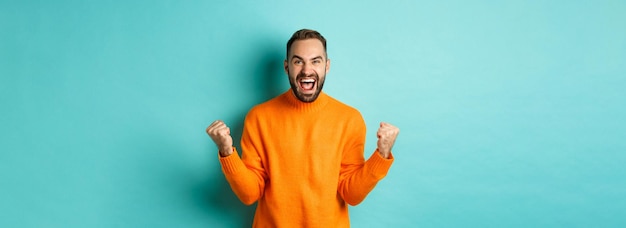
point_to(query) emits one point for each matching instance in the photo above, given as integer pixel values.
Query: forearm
(359, 182)
(244, 181)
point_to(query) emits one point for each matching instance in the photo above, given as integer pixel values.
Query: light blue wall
(512, 113)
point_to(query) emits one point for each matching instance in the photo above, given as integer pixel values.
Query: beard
(306, 97)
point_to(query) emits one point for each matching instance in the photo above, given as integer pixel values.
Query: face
(306, 67)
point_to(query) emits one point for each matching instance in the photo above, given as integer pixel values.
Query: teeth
(308, 80)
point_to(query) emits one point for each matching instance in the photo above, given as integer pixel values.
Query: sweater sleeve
(246, 175)
(246, 184)
(358, 177)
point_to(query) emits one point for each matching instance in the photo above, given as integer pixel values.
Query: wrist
(225, 151)
(384, 154)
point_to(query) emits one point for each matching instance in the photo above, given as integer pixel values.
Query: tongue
(307, 85)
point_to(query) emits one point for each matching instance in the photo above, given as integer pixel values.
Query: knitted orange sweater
(303, 162)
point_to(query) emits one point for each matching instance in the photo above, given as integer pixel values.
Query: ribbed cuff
(379, 166)
(231, 163)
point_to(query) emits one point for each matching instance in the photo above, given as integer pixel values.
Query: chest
(309, 146)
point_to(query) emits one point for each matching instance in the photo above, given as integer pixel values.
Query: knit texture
(303, 162)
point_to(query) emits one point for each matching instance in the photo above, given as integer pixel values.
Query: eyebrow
(316, 57)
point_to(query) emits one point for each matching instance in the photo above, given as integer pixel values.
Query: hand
(387, 134)
(220, 134)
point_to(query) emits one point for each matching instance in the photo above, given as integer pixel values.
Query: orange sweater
(303, 162)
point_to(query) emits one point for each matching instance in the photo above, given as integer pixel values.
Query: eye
(297, 62)
(317, 61)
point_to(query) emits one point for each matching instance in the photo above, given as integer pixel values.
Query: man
(302, 151)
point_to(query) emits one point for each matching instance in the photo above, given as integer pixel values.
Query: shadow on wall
(268, 76)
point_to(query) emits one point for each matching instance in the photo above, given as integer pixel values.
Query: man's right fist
(220, 134)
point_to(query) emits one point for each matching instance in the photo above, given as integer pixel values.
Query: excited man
(302, 151)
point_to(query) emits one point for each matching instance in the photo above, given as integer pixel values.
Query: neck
(315, 105)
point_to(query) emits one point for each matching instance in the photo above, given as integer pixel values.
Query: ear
(327, 65)
(286, 66)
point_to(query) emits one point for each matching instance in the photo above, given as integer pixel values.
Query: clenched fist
(387, 134)
(220, 134)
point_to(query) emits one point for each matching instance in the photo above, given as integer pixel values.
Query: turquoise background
(512, 113)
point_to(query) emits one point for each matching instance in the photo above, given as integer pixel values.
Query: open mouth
(307, 85)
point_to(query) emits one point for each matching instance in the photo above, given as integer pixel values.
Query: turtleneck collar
(299, 105)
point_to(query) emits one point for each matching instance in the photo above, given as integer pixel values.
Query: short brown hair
(304, 34)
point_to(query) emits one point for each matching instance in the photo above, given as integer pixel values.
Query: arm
(358, 177)
(245, 174)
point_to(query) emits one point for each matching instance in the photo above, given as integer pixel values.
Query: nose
(307, 69)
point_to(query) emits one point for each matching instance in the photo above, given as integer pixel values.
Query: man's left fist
(387, 134)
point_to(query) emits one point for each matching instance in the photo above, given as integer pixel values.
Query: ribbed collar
(314, 106)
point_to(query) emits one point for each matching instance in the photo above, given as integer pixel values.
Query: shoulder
(345, 112)
(266, 108)
(343, 107)
(347, 118)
